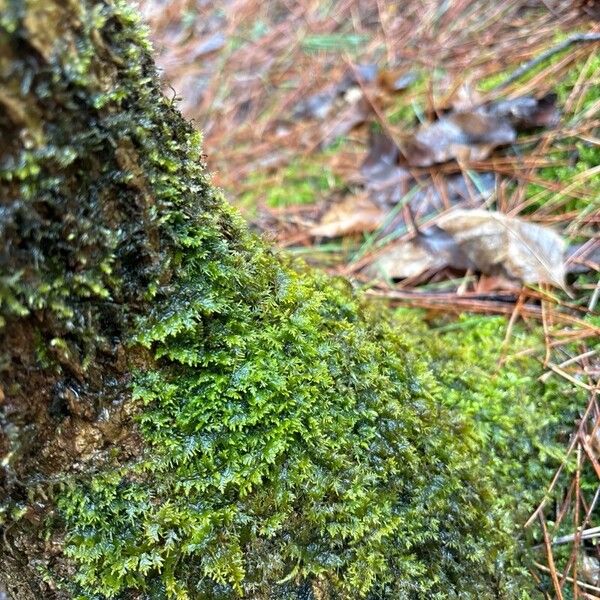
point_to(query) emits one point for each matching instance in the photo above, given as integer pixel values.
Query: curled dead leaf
(352, 215)
(385, 180)
(465, 136)
(404, 260)
(320, 105)
(350, 116)
(317, 106)
(497, 243)
(525, 112)
(489, 242)
(474, 134)
(452, 190)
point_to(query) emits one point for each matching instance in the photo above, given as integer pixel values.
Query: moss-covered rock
(187, 414)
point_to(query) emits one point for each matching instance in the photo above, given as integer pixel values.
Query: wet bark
(80, 244)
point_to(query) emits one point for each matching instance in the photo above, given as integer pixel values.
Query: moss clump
(360, 478)
(501, 399)
(293, 437)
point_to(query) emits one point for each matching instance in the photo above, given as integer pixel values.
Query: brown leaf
(474, 134)
(403, 260)
(383, 155)
(462, 135)
(489, 242)
(494, 283)
(498, 244)
(358, 75)
(465, 98)
(317, 106)
(385, 180)
(433, 249)
(352, 215)
(349, 117)
(525, 112)
(450, 191)
(206, 46)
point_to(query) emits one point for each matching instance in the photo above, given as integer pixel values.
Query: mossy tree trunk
(87, 145)
(185, 414)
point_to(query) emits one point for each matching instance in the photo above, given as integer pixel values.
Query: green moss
(296, 450)
(303, 181)
(501, 400)
(573, 155)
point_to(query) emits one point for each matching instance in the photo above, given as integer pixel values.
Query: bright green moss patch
(303, 181)
(575, 156)
(315, 447)
(506, 398)
(293, 437)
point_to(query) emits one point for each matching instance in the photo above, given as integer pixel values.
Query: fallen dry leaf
(319, 105)
(360, 74)
(352, 215)
(463, 135)
(498, 244)
(489, 242)
(525, 112)
(350, 116)
(432, 249)
(450, 191)
(493, 283)
(385, 180)
(465, 98)
(474, 134)
(404, 260)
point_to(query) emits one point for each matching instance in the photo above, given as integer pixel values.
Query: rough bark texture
(81, 244)
(184, 414)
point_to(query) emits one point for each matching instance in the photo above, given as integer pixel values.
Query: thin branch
(578, 38)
